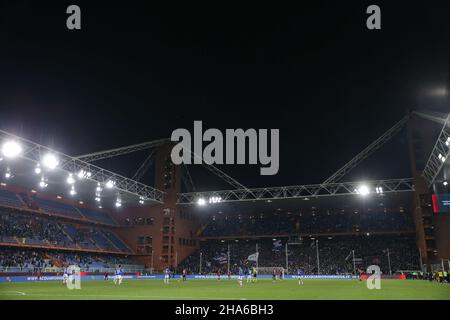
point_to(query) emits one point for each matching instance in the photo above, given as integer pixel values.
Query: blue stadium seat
(97, 216)
(54, 207)
(10, 199)
(117, 241)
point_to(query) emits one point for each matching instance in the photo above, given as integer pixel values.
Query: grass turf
(312, 289)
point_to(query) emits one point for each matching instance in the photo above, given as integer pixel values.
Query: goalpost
(269, 270)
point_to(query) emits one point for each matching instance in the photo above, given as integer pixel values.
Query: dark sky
(135, 73)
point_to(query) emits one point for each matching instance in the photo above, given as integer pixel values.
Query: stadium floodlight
(215, 199)
(110, 184)
(11, 149)
(441, 157)
(97, 199)
(37, 170)
(141, 200)
(100, 207)
(379, 190)
(8, 174)
(70, 179)
(43, 184)
(363, 190)
(84, 174)
(118, 201)
(50, 161)
(445, 183)
(201, 202)
(447, 142)
(72, 191)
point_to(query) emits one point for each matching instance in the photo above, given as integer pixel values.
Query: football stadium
(169, 242)
(173, 158)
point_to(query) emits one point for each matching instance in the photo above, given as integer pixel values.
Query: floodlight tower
(432, 236)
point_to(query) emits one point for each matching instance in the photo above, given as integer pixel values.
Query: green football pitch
(225, 289)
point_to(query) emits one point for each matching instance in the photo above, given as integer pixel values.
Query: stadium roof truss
(300, 192)
(34, 152)
(355, 161)
(100, 155)
(439, 154)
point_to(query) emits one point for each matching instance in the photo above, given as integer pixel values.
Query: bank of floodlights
(11, 149)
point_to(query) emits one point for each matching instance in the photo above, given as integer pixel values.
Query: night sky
(136, 73)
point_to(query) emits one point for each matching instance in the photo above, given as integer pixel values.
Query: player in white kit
(65, 276)
(166, 275)
(249, 275)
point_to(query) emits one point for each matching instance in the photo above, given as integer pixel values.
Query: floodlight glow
(37, 170)
(201, 202)
(70, 179)
(8, 174)
(50, 161)
(110, 184)
(84, 174)
(445, 183)
(11, 149)
(215, 199)
(73, 191)
(379, 190)
(363, 190)
(42, 183)
(141, 201)
(447, 142)
(118, 204)
(98, 189)
(97, 199)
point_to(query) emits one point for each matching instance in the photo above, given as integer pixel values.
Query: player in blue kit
(118, 276)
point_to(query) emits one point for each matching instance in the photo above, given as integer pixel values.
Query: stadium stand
(10, 199)
(28, 259)
(308, 223)
(33, 229)
(53, 207)
(97, 216)
(116, 241)
(335, 254)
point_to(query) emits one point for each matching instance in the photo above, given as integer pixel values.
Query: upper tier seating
(97, 216)
(10, 199)
(54, 207)
(116, 241)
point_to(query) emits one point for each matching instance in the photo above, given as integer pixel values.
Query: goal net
(269, 270)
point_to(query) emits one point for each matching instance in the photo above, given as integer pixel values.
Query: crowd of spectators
(50, 231)
(41, 260)
(31, 227)
(312, 222)
(335, 254)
